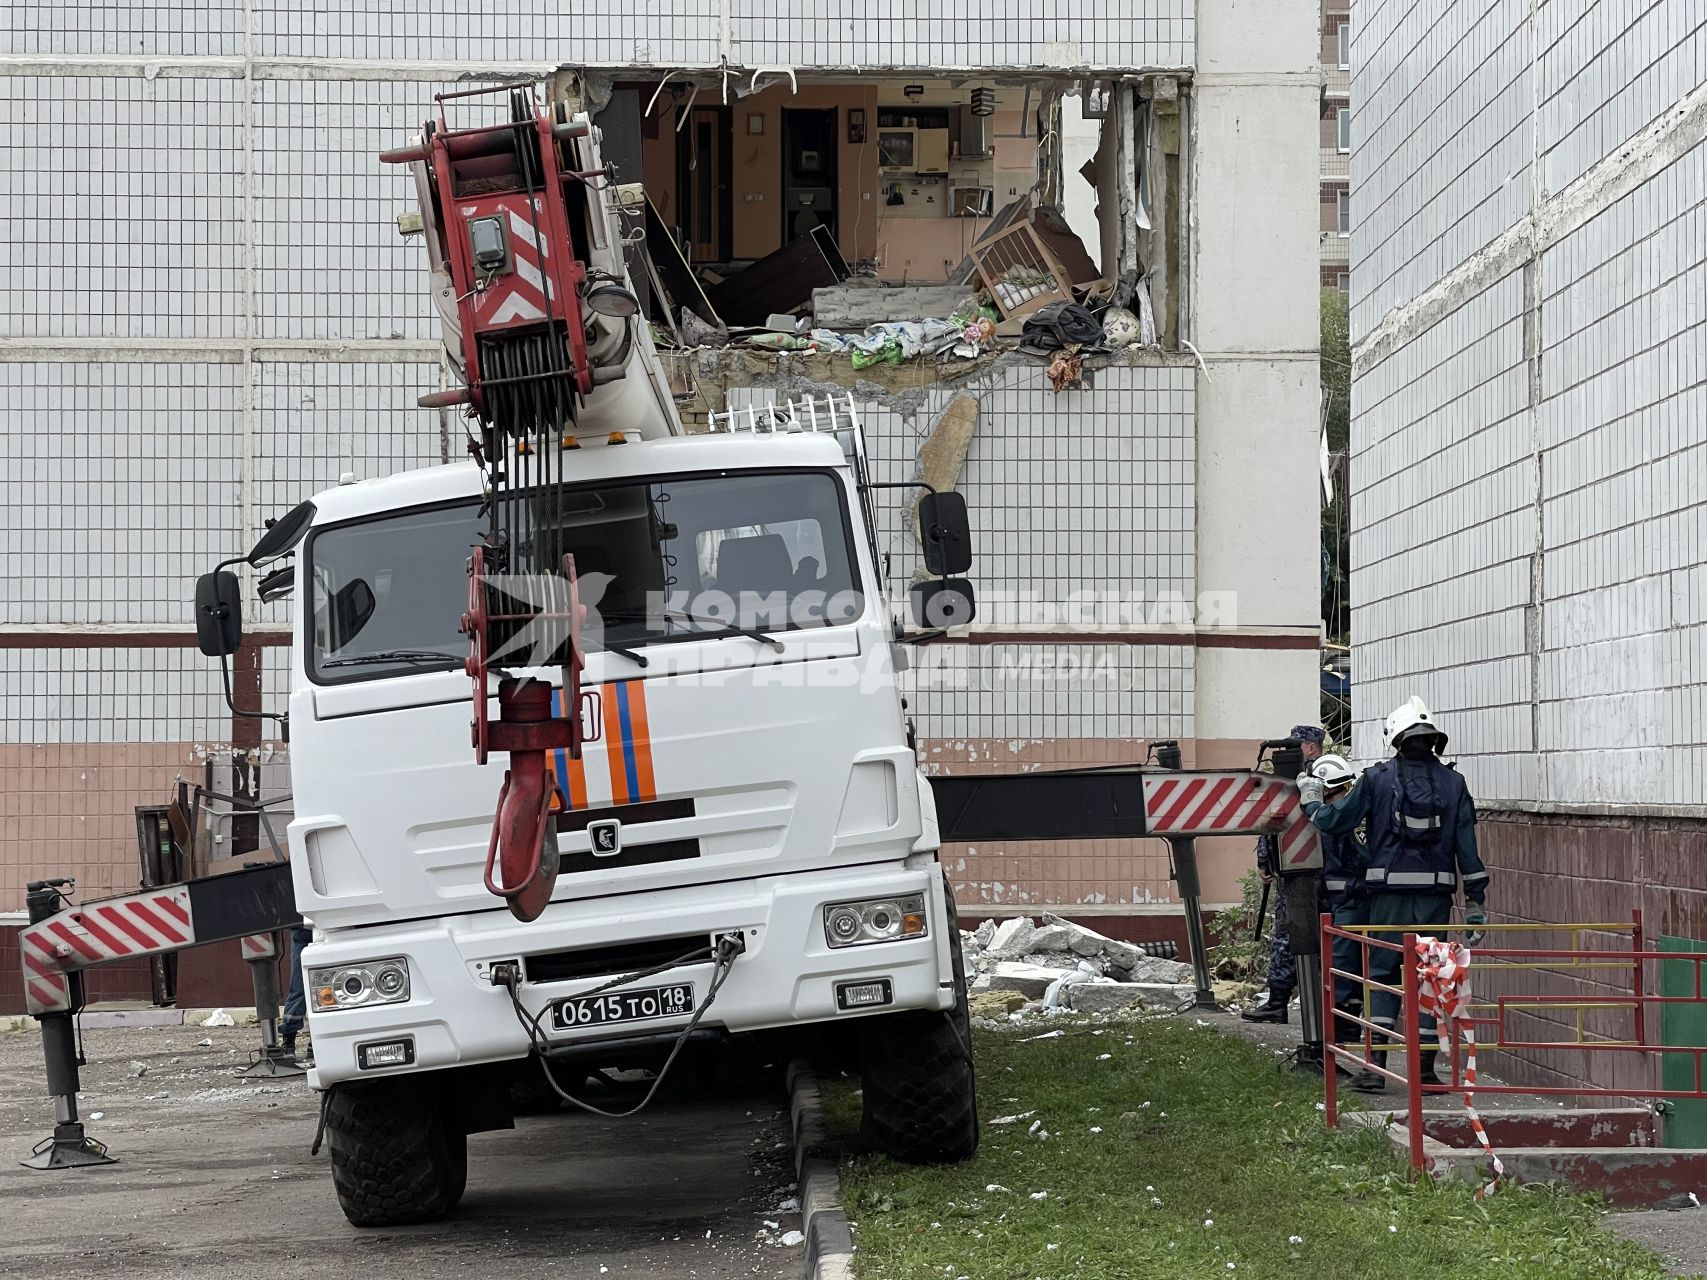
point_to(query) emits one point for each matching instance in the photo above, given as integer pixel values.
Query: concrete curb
(829, 1238)
(112, 1019)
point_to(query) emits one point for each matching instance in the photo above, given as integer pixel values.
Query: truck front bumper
(787, 973)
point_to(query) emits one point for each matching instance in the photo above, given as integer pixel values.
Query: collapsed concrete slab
(1028, 979)
(1012, 938)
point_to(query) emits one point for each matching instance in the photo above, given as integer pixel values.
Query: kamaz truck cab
(744, 844)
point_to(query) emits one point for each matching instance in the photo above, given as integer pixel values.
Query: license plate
(623, 1006)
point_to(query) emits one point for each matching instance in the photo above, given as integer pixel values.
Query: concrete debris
(1070, 966)
(1003, 1120)
(1012, 939)
(138, 1069)
(996, 1004)
(1007, 975)
(1150, 969)
(792, 1238)
(1088, 942)
(1052, 937)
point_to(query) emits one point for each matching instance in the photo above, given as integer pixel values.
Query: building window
(1343, 282)
(1345, 130)
(1345, 213)
(1345, 45)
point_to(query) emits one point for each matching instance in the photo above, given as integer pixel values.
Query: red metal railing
(1489, 1018)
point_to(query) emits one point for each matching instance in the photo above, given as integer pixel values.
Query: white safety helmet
(1411, 719)
(1332, 771)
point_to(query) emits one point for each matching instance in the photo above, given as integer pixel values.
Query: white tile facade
(1530, 546)
(831, 34)
(1086, 497)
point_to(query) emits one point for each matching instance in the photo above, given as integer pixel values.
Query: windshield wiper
(417, 656)
(638, 659)
(724, 628)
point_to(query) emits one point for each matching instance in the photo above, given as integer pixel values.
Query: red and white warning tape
(1443, 973)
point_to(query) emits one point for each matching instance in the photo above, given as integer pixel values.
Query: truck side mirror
(946, 533)
(282, 534)
(219, 614)
(941, 603)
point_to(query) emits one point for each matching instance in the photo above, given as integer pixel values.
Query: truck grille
(600, 962)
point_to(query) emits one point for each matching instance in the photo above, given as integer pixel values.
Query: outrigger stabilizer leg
(272, 1060)
(69, 1147)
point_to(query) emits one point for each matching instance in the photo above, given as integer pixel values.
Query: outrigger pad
(69, 1148)
(274, 1065)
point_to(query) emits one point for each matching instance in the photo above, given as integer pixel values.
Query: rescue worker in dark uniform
(1282, 973)
(1421, 824)
(1343, 860)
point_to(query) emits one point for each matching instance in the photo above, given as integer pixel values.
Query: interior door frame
(722, 119)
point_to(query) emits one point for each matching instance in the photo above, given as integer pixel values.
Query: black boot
(1369, 1082)
(1271, 1009)
(1429, 1073)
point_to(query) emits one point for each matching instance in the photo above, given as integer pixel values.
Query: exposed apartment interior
(1032, 188)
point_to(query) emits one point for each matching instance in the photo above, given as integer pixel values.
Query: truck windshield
(657, 560)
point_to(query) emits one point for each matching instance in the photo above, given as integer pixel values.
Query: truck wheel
(921, 1096)
(395, 1160)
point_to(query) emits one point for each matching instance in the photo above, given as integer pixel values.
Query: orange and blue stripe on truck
(626, 745)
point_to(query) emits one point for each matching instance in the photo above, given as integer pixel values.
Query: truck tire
(395, 1159)
(920, 1090)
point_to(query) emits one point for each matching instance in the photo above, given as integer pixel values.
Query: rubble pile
(1062, 965)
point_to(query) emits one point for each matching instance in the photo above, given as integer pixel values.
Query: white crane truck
(731, 833)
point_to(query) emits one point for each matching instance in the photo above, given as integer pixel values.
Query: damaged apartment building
(1062, 256)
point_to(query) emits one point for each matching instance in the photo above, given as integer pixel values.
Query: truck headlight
(353, 986)
(856, 924)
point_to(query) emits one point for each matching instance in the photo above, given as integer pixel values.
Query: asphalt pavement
(215, 1178)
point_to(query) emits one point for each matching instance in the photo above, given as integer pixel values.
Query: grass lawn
(1175, 1151)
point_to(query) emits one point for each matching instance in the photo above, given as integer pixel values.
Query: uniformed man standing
(1282, 973)
(1421, 830)
(1344, 858)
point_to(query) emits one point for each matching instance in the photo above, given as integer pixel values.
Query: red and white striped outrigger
(61, 941)
(1130, 801)
(1234, 803)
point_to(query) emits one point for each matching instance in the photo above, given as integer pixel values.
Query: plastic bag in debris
(909, 337)
(886, 352)
(780, 342)
(1055, 997)
(830, 340)
(1120, 328)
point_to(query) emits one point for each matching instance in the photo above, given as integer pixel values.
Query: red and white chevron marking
(520, 295)
(145, 923)
(258, 946)
(1232, 803)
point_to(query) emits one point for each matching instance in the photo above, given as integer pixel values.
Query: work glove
(1309, 789)
(1474, 919)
